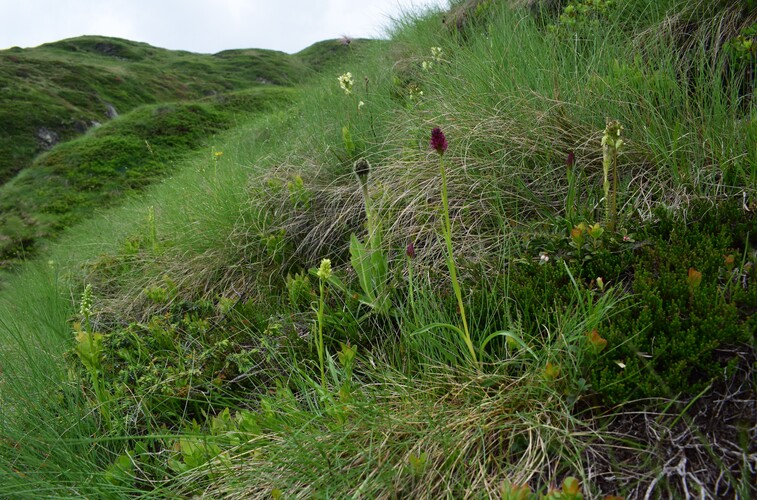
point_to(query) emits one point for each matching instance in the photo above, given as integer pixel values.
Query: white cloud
(199, 25)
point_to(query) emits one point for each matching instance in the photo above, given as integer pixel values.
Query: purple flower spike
(571, 160)
(410, 251)
(438, 141)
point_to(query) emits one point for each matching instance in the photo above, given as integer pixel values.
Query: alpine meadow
(509, 252)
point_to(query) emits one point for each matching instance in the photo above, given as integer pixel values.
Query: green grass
(115, 161)
(208, 380)
(67, 86)
(329, 54)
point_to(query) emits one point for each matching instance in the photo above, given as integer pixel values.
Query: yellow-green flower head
(86, 301)
(436, 54)
(611, 136)
(324, 272)
(346, 82)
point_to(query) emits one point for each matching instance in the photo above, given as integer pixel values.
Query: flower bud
(362, 169)
(324, 271)
(410, 251)
(571, 160)
(438, 141)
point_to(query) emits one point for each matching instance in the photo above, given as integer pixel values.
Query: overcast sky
(206, 26)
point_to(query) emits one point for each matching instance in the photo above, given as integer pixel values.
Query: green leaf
(121, 471)
(438, 325)
(361, 263)
(349, 144)
(511, 337)
(89, 348)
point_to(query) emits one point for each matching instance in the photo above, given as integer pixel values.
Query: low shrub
(690, 296)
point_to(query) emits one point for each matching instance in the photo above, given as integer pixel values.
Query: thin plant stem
(324, 272)
(319, 344)
(410, 284)
(368, 215)
(447, 230)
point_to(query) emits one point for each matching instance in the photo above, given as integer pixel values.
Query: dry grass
(475, 430)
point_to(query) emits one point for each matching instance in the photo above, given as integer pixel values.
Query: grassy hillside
(57, 91)
(53, 94)
(508, 254)
(329, 54)
(118, 159)
(66, 87)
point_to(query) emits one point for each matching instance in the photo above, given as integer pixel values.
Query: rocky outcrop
(110, 111)
(47, 138)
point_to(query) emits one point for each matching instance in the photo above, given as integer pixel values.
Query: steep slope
(57, 91)
(54, 93)
(505, 257)
(115, 160)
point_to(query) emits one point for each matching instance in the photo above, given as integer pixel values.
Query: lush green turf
(66, 87)
(195, 342)
(116, 160)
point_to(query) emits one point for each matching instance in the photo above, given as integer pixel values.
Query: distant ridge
(57, 91)
(168, 102)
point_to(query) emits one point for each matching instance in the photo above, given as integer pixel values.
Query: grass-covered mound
(117, 159)
(550, 294)
(167, 104)
(55, 92)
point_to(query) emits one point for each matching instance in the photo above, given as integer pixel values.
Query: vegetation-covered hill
(57, 91)
(508, 254)
(54, 93)
(116, 160)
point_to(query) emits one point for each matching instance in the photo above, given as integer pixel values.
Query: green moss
(674, 339)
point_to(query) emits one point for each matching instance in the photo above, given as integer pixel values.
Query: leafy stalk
(439, 142)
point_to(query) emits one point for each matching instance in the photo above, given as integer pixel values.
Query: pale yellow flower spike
(324, 271)
(346, 82)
